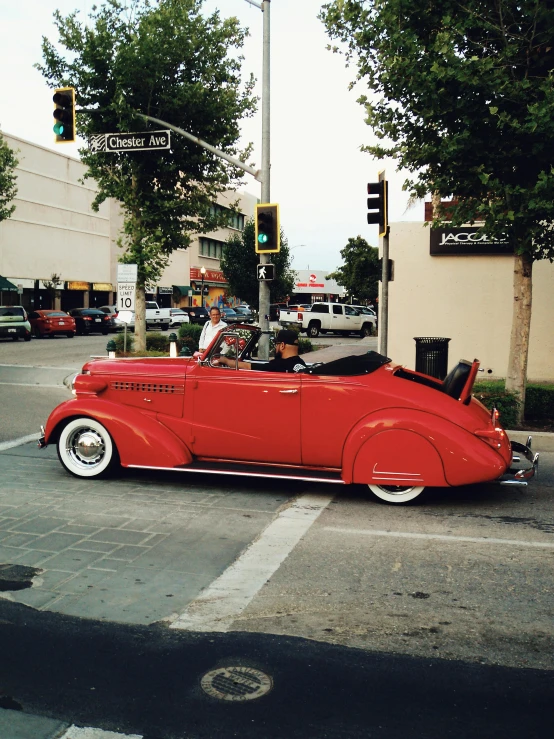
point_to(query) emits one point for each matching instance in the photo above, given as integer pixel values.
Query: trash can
(431, 356)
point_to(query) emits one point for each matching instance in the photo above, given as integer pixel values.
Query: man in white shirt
(211, 328)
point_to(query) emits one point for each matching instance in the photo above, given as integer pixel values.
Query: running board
(250, 471)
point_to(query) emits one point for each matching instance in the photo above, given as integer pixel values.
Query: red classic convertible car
(359, 419)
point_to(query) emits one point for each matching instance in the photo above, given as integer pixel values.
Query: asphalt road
(431, 620)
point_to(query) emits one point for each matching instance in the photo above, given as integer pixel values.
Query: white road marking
(18, 442)
(30, 384)
(227, 597)
(75, 732)
(441, 537)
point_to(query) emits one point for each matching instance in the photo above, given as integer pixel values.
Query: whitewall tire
(86, 449)
(396, 493)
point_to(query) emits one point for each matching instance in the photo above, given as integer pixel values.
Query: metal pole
(263, 295)
(202, 292)
(384, 303)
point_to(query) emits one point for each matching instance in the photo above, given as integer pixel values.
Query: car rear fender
(420, 445)
(139, 437)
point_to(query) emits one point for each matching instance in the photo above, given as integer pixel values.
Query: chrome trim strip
(238, 474)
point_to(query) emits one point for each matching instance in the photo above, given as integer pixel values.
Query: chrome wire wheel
(85, 448)
(396, 493)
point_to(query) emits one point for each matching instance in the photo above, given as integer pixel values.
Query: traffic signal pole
(263, 294)
(384, 302)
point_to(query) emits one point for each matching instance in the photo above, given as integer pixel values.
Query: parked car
(228, 315)
(14, 323)
(90, 321)
(156, 317)
(358, 419)
(116, 324)
(177, 317)
(197, 314)
(246, 315)
(51, 322)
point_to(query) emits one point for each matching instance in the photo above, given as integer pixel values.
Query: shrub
(539, 401)
(191, 332)
(304, 346)
(118, 338)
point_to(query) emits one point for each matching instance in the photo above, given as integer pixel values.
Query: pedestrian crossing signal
(267, 228)
(266, 271)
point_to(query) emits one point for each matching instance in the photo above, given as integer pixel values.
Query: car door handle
(288, 392)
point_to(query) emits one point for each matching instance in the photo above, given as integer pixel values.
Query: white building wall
(54, 228)
(466, 298)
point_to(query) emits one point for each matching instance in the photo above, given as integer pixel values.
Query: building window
(234, 220)
(210, 247)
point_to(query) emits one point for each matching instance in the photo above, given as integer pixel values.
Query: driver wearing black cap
(286, 356)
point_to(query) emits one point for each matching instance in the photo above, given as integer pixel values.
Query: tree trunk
(140, 319)
(516, 376)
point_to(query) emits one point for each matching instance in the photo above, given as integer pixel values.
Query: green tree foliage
(360, 272)
(239, 261)
(8, 187)
(463, 99)
(167, 60)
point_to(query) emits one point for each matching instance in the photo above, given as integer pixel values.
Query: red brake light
(87, 318)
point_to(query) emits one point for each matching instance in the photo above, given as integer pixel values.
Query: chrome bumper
(41, 442)
(525, 464)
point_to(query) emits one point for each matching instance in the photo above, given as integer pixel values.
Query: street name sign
(126, 296)
(127, 272)
(143, 141)
(265, 271)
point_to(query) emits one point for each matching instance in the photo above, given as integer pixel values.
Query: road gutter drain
(236, 683)
(16, 577)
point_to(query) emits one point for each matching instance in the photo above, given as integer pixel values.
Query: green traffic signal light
(267, 228)
(64, 114)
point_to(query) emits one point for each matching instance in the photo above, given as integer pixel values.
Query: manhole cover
(236, 683)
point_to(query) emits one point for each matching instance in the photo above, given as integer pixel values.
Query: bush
(189, 335)
(304, 346)
(539, 401)
(118, 338)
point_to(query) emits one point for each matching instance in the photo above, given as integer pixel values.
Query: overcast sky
(318, 173)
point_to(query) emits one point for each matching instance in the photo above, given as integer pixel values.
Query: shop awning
(6, 285)
(183, 289)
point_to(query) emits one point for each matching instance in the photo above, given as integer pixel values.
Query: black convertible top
(355, 364)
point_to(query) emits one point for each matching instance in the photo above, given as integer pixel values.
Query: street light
(202, 272)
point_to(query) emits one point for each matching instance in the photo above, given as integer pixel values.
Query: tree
(52, 287)
(238, 264)
(169, 61)
(8, 187)
(464, 102)
(360, 272)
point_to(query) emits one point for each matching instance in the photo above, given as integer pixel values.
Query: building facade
(54, 231)
(458, 284)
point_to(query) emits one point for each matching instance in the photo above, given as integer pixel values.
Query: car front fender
(419, 447)
(139, 437)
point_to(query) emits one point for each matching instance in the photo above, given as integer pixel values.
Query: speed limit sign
(126, 296)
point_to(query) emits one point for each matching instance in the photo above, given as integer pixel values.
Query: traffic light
(64, 115)
(267, 229)
(377, 204)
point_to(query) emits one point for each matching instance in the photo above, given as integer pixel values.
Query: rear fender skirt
(139, 437)
(464, 458)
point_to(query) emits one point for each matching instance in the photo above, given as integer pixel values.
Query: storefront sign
(78, 285)
(212, 275)
(165, 290)
(467, 241)
(103, 286)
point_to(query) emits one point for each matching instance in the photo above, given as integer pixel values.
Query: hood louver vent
(148, 387)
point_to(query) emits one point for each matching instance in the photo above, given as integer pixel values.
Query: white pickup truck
(330, 318)
(156, 316)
